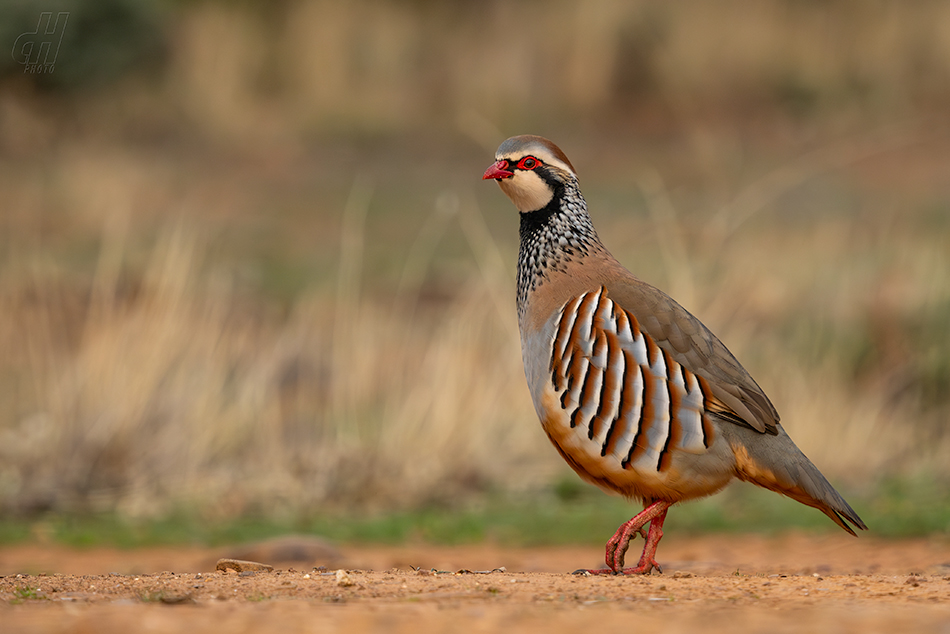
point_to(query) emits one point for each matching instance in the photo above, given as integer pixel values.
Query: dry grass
(157, 382)
(176, 390)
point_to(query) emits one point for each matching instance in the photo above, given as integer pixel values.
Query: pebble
(343, 579)
(240, 565)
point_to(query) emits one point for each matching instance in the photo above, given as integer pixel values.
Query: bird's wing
(693, 346)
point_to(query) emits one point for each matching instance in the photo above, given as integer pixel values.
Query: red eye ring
(528, 163)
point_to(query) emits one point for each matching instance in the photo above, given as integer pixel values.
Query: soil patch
(732, 583)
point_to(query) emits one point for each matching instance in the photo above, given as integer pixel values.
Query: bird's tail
(777, 464)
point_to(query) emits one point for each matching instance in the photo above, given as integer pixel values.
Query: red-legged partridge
(636, 394)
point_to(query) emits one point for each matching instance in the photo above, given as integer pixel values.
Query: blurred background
(248, 268)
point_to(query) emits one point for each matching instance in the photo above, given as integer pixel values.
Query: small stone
(343, 579)
(239, 566)
(679, 574)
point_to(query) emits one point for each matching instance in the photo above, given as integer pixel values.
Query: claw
(646, 565)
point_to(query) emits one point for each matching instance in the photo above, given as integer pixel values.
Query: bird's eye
(528, 163)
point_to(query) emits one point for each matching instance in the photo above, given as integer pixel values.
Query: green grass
(570, 514)
(26, 593)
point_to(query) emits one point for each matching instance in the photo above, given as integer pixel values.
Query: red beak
(497, 171)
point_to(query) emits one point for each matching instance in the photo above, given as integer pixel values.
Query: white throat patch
(527, 191)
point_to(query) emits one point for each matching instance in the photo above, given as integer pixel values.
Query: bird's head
(529, 170)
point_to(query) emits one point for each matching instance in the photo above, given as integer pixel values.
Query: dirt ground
(790, 583)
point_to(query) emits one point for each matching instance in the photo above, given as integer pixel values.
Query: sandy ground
(791, 583)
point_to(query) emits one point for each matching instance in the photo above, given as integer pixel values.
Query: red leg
(647, 559)
(654, 513)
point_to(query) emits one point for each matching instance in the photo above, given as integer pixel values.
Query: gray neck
(551, 237)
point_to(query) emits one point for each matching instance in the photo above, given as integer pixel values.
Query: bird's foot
(616, 549)
(618, 544)
(644, 567)
(654, 513)
(588, 572)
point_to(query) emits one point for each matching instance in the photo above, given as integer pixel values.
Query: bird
(636, 394)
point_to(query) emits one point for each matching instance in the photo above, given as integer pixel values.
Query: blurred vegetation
(102, 41)
(571, 513)
(247, 267)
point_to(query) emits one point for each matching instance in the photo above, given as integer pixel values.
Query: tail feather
(818, 493)
(775, 463)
